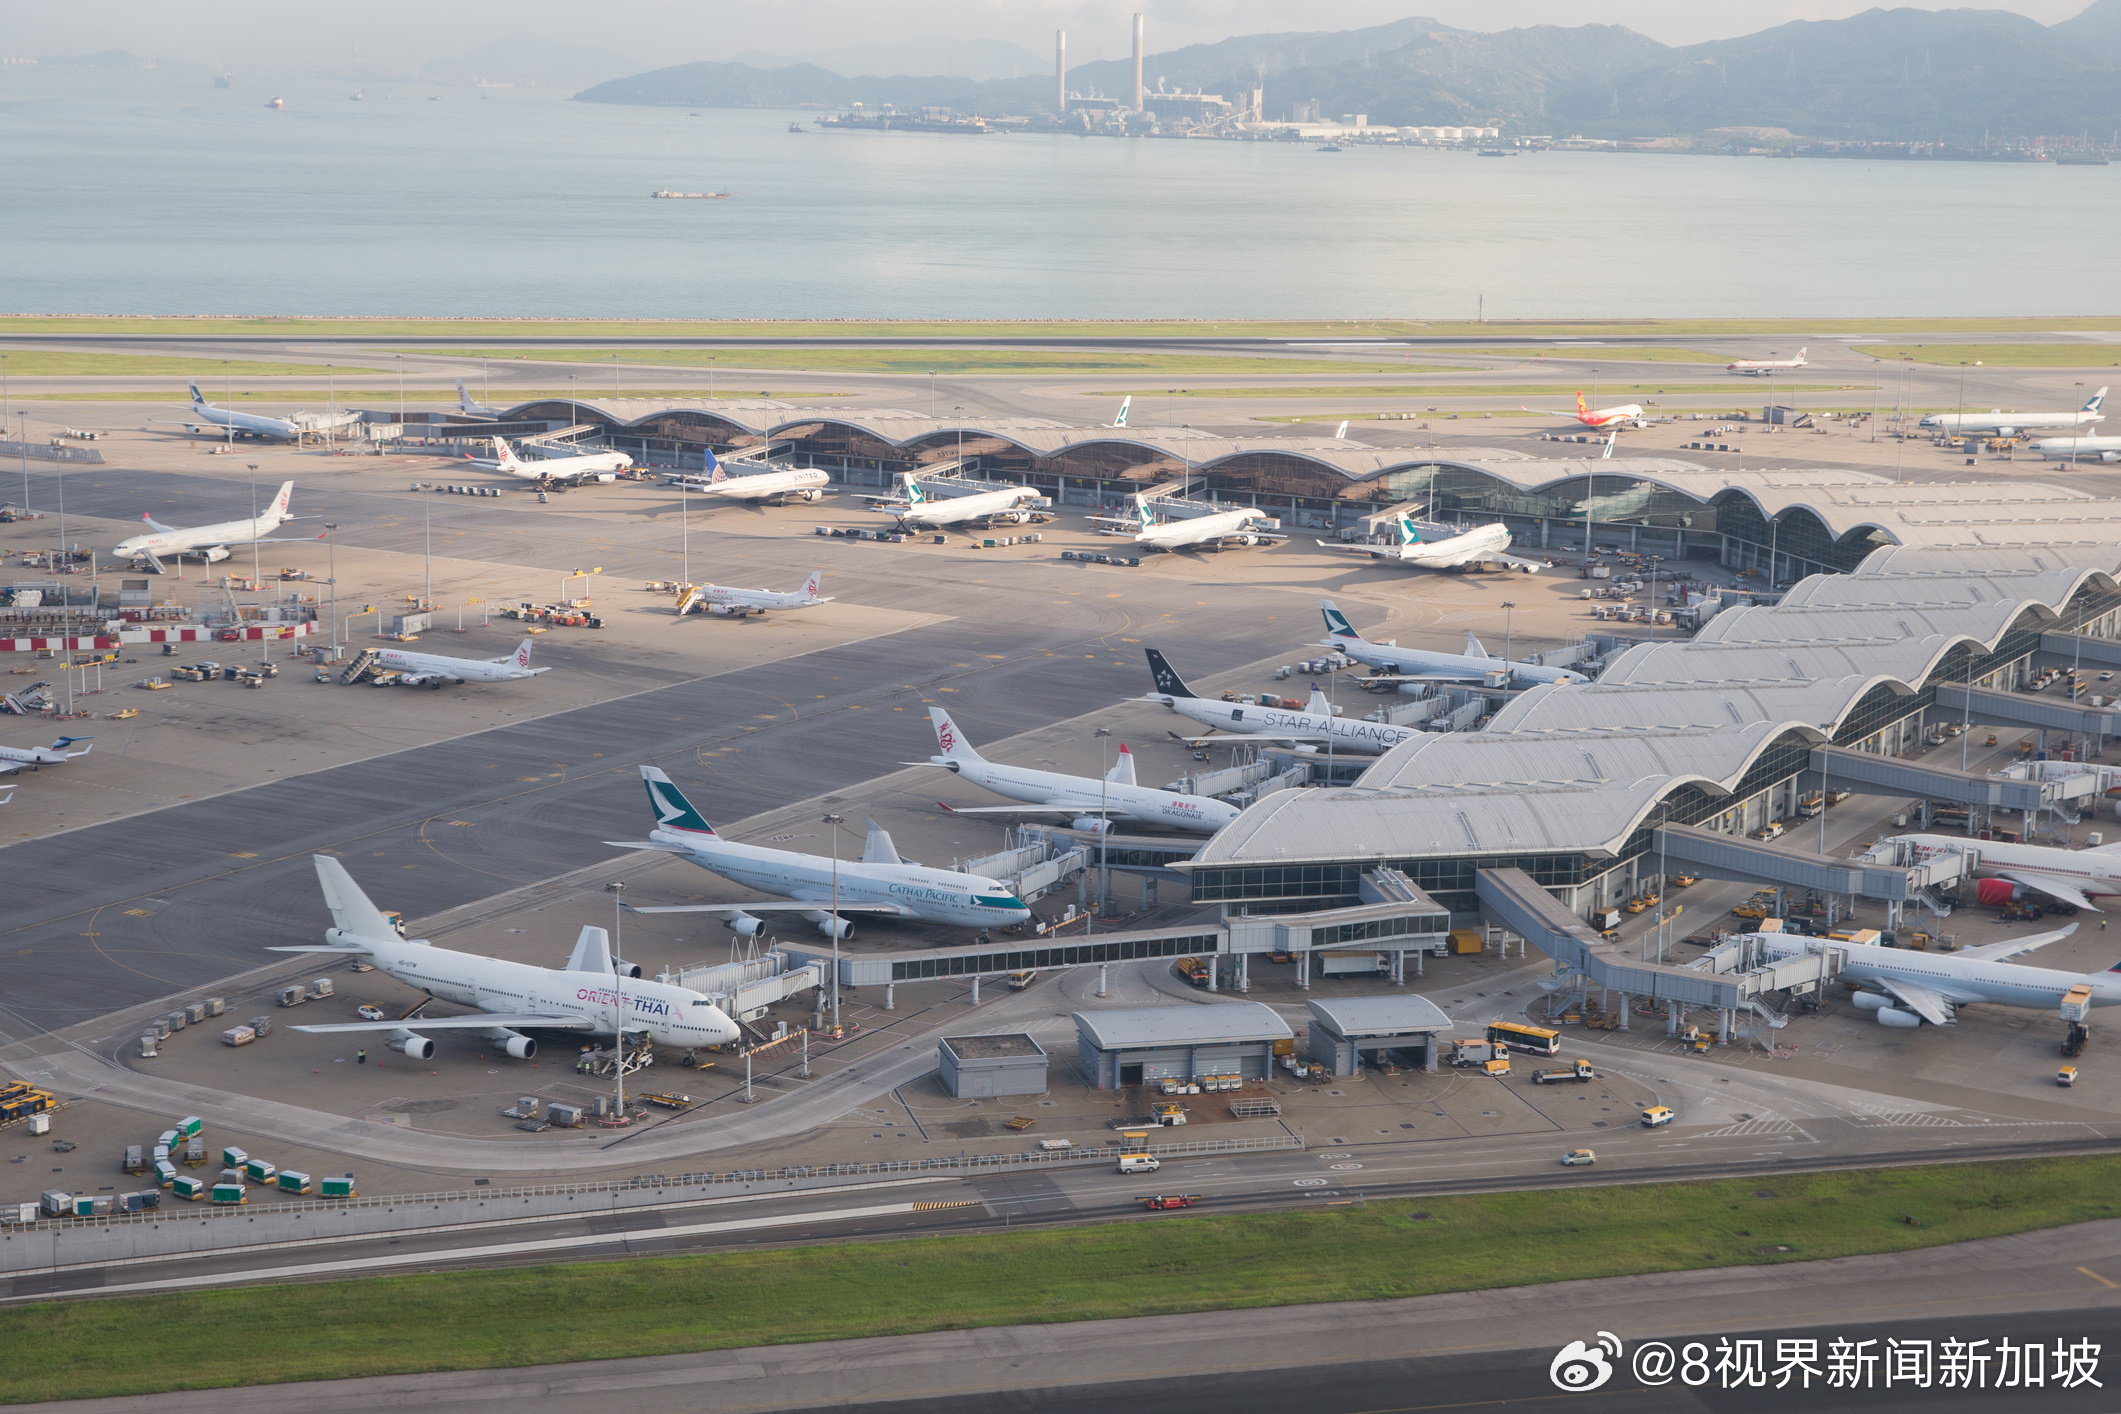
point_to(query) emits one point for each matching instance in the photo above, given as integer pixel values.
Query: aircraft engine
(217, 554)
(2006, 432)
(1995, 893)
(744, 925)
(813, 494)
(513, 1044)
(1897, 1019)
(629, 970)
(2110, 456)
(826, 925)
(412, 1045)
(1870, 1001)
(1090, 826)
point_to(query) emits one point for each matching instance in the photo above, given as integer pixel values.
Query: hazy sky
(659, 32)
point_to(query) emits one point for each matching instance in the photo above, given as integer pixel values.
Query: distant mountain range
(1884, 75)
(976, 60)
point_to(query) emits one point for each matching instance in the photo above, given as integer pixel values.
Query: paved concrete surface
(1475, 1349)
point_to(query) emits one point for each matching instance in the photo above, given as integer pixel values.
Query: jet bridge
(2064, 650)
(1870, 774)
(2022, 709)
(1518, 902)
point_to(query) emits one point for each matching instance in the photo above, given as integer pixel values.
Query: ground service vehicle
(1169, 1200)
(1138, 1163)
(1657, 1115)
(2066, 1076)
(1577, 1070)
(1532, 1040)
(1499, 1067)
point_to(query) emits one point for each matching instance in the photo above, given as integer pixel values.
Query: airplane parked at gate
(594, 995)
(590, 466)
(1906, 988)
(1115, 798)
(257, 425)
(2010, 424)
(735, 603)
(432, 669)
(1758, 367)
(880, 883)
(1615, 417)
(1483, 544)
(986, 507)
(2072, 876)
(466, 405)
(211, 542)
(803, 483)
(2071, 449)
(1245, 526)
(1315, 726)
(14, 758)
(1422, 665)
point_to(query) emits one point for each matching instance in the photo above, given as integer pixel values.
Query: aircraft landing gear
(2073, 1044)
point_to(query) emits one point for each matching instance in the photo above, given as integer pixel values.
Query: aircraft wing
(483, 1022)
(1024, 809)
(1248, 736)
(1375, 552)
(1533, 565)
(648, 844)
(2013, 947)
(1927, 1002)
(2053, 889)
(884, 910)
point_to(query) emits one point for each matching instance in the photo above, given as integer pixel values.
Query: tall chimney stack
(1137, 63)
(1060, 71)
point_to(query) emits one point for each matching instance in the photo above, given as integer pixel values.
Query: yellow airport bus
(1533, 1040)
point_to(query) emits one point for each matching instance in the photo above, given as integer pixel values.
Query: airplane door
(1237, 714)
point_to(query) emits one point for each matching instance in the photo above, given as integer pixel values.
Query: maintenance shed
(1346, 1031)
(1137, 1045)
(980, 1067)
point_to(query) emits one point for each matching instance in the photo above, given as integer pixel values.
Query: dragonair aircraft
(1006, 506)
(2010, 424)
(14, 758)
(594, 995)
(1114, 799)
(803, 483)
(211, 542)
(1483, 544)
(1760, 366)
(735, 603)
(1906, 988)
(1315, 726)
(1476, 664)
(591, 466)
(1248, 526)
(432, 669)
(880, 883)
(1618, 416)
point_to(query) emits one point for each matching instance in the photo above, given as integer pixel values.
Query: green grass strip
(27, 363)
(1741, 393)
(922, 361)
(1999, 355)
(655, 1306)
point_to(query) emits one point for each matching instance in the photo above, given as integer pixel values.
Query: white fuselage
(722, 596)
(1608, 417)
(250, 424)
(14, 756)
(1760, 367)
(668, 1015)
(914, 890)
(2092, 872)
(459, 669)
(2100, 449)
(1203, 530)
(1134, 804)
(568, 468)
(2005, 424)
(206, 537)
(808, 483)
(1477, 544)
(1345, 734)
(1420, 662)
(1955, 979)
(958, 510)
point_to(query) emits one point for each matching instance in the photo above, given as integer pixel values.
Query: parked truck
(1575, 1070)
(1470, 1053)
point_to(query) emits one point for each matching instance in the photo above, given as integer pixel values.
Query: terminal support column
(975, 989)
(1215, 971)
(1303, 971)
(890, 996)
(1624, 1000)
(1244, 972)
(1103, 969)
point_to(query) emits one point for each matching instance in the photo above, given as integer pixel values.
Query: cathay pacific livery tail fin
(1124, 404)
(2096, 399)
(1408, 535)
(196, 396)
(672, 810)
(1474, 650)
(1337, 625)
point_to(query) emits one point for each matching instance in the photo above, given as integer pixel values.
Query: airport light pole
(401, 396)
(22, 446)
(1509, 614)
(1826, 764)
(833, 822)
(616, 888)
(684, 530)
(228, 387)
(331, 550)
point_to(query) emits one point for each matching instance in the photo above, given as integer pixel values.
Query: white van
(1138, 1163)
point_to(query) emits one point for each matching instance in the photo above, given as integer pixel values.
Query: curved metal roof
(1579, 768)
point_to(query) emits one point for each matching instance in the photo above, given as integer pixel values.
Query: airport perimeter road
(1466, 1350)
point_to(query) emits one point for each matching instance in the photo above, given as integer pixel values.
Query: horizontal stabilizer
(341, 952)
(648, 844)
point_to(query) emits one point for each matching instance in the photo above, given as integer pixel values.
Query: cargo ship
(690, 195)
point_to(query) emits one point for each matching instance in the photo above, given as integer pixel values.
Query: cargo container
(259, 1171)
(319, 988)
(141, 1201)
(91, 1207)
(215, 1006)
(234, 1158)
(150, 1045)
(293, 996)
(1349, 964)
(189, 1126)
(167, 1139)
(292, 1182)
(18, 1212)
(195, 1012)
(1467, 940)
(55, 1203)
(187, 1186)
(337, 1186)
(262, 1025)
(135, 1160)
(195, 1152)
(175, 1020)
(567, 1116)
(227, 1193)
(238, 1036)
(165, 1173)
